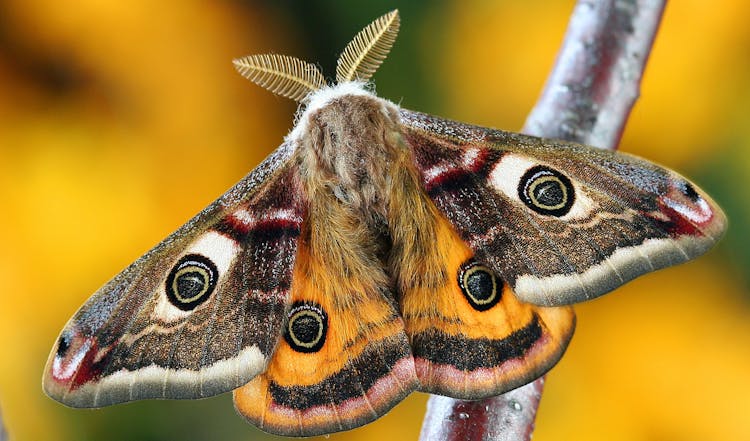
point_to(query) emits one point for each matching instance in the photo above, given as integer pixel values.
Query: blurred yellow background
(120, 120)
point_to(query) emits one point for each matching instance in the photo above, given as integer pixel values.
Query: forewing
(199, 314)
(561, 222)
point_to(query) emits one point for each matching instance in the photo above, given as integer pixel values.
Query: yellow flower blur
(120, 120)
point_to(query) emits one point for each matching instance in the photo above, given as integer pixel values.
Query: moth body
(361, 178)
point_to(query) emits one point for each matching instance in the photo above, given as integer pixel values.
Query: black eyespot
(546, 191)
(479, 285)
(689, 191)
(191, 281)
(306, 327)
(63, 344)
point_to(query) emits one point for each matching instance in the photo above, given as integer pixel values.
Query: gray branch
(3, 433)
(597, 77)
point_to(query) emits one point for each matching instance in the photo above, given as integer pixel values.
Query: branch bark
(3, 433)
(597, 76)
(588, 98)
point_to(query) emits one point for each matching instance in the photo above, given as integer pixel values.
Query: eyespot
(191, 281)
(689, 191)
(306, 327)
(63, 344)
(546, 191)
(480, 285)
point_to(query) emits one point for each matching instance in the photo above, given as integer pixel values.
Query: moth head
(299, 80)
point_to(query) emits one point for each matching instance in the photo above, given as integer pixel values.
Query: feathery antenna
(364, 54)
(281, 74)
(296, 79)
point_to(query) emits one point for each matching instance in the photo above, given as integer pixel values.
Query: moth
(378, 251)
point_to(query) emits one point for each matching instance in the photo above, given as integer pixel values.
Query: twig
(3, 433)
(597, 77)
(587, 99)
(506, 417)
